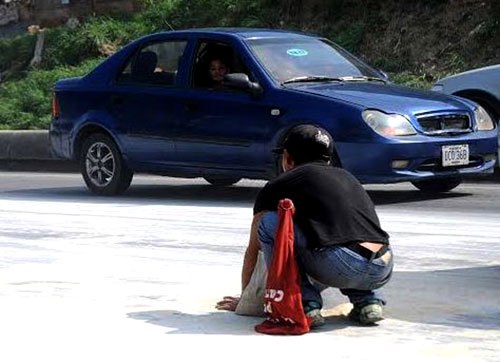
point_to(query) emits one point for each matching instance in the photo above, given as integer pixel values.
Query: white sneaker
(367, 315)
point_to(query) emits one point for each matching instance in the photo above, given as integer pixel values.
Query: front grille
(435, 165)
(445, 124)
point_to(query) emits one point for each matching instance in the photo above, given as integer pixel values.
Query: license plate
(455, 155)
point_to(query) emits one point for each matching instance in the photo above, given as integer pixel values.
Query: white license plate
(455, 155)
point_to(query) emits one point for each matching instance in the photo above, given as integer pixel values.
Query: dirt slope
(431, 36)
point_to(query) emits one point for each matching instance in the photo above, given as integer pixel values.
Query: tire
(222, 181)
(438, 185)
(102, 166)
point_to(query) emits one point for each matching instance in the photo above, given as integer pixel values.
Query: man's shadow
(218, 322)
(456, 298)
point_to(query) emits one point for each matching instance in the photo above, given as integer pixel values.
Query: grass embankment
(386, 34)
(26, 103)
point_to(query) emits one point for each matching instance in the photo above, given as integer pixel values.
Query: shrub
(26, 103)
(69, 47)
(422, 81)
(66, 46)
(179, 14)
(16, 51)
(372, 29)
(350, 37)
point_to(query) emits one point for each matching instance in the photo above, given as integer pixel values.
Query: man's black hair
(307, 143)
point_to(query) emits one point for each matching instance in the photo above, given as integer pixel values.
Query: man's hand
(228, 303)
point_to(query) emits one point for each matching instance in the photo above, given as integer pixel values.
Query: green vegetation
(390, 35)
(421, 81)
(16, 53)
(26, 103)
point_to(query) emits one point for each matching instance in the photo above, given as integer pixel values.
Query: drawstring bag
(283, 299)
(252, 297)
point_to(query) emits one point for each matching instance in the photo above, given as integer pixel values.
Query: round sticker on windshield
(295, 52)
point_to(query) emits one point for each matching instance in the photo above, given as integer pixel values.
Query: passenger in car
(217, 69)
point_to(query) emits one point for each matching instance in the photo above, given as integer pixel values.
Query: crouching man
(338, 239)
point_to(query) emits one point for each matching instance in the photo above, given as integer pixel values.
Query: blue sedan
(213, 103)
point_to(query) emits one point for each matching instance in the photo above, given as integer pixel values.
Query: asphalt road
(136, 277)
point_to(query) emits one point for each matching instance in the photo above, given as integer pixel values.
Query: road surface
(136, 277)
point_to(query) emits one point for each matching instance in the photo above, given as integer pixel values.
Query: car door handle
(192, 107)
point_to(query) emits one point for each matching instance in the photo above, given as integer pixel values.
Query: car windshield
(293, 60)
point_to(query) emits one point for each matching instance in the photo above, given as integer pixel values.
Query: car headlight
(388, 124)
(483, 120)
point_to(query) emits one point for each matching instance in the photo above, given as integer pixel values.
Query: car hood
(388, 98)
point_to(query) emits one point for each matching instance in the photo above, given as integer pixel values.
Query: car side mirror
(383, 74)
(241, 81)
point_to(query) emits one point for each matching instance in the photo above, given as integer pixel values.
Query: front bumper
(373, 162)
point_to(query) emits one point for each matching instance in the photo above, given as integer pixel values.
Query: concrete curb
(24, 145)
(30, 151)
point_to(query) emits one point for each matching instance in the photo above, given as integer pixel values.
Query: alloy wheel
(100, 164)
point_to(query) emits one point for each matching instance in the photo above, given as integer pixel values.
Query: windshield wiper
(324, 78)
(362, 78)
(312, 78)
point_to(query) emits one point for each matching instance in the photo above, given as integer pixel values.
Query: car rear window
(154, 64)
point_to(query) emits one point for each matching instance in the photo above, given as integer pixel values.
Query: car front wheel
(438, 185)
(102, 166)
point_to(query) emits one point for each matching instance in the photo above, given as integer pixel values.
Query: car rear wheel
(438, 185)
(102, 166)
(222, 181)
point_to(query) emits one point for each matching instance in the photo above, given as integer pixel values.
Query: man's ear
(287, 161)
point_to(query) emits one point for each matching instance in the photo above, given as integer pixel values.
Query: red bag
(283, 299)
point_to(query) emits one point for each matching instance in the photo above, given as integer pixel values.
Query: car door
(222, 129)
(146, 103)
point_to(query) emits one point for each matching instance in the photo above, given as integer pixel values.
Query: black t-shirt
(331, 206)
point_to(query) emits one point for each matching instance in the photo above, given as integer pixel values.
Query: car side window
(155, 64)
(213, 61)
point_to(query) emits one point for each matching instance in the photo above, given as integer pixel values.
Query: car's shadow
(238, 195)
(386, 197)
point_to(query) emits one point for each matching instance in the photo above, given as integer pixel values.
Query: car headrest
(144, 65)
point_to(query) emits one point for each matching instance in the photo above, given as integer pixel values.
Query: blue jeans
(332, 266)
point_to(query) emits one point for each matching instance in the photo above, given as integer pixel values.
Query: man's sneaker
(315, 318)
(368, 314)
